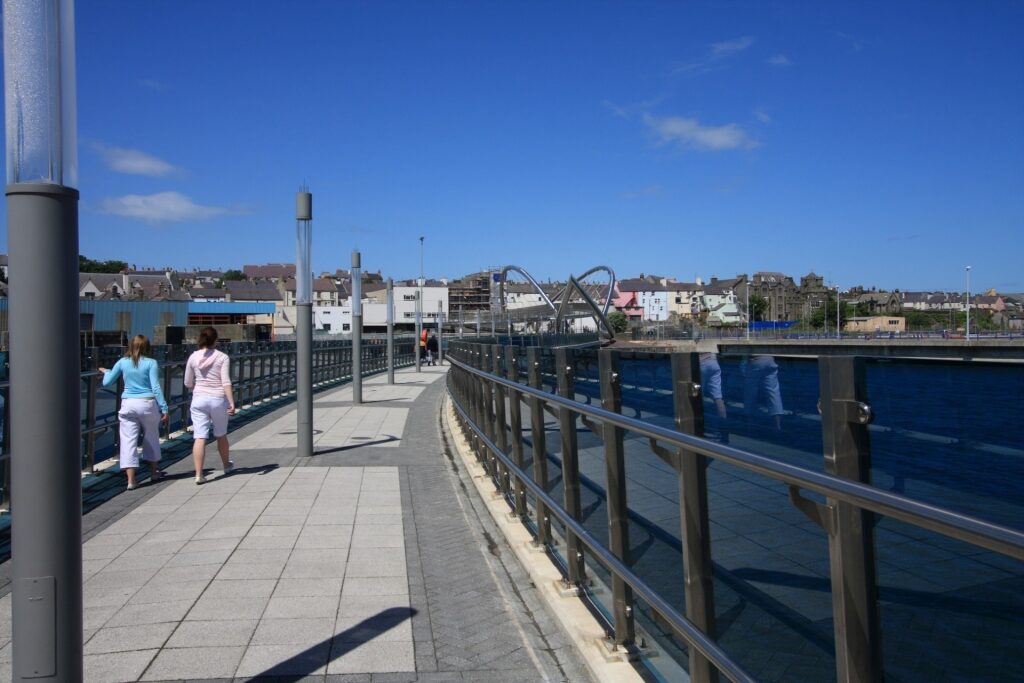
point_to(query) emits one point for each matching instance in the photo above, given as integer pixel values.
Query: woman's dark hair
(137, 348)
(207, 337)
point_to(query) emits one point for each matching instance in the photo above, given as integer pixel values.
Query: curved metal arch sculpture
(522, 271)
(600, 314)
(573, 283)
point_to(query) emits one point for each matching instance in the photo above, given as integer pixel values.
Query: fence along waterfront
(260, 372)
(857, 619)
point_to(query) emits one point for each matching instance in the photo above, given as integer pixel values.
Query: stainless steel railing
(259, 372)
(485, 375)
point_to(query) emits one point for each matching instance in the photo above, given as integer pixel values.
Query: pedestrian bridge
(678, 522)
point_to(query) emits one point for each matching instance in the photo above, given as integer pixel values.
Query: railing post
(539, 447)
(167, 395)
(515, 410)
(500, 435)
(487, 392)
(476, 391)
(693, 509)
(570, 465)
(5, 500)
(90, 423)
(618, 510)
(117, 411)
(845, 415)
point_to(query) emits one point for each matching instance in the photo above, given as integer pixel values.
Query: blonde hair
(138, 348)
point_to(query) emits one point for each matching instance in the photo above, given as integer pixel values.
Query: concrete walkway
(367, 562)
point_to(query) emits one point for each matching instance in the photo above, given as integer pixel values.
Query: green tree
(87, 265)
(618, 321)
(758, 307)
(826, 315)
(231, 275)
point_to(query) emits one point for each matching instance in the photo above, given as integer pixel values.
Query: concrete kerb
(574, 618)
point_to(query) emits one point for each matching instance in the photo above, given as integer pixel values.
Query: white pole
(746, 293)
(838, 328)
(968, 303)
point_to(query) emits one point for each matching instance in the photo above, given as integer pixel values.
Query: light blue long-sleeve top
(139, 382)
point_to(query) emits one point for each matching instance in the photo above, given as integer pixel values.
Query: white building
(722, 306)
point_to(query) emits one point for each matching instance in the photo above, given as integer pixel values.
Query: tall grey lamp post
(304, 324)
(42, 221)
(357, 329)
(968, 331)
(419, 311)
(746, 292)
(391, 331)
(838, 323)
(440, 332)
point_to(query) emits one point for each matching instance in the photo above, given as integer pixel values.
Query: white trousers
(139, 414)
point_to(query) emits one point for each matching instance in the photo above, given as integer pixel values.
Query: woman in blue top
(142, 407)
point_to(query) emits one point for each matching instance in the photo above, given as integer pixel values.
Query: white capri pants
(139, 414)
(209, 416)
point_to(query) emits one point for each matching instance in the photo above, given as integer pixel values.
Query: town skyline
(976, 286)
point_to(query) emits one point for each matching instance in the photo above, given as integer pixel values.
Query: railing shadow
(311, 659)
(340, 449)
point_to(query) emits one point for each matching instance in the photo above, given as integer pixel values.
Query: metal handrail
(249, 389)
(683, 627)
(962, 527)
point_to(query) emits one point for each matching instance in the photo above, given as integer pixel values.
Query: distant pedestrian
(431, 350)
(423, 343)
(208, 374)
(142, 408)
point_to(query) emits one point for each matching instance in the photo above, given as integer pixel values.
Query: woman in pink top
(208, 375)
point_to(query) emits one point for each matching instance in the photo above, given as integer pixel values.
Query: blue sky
(873, 143)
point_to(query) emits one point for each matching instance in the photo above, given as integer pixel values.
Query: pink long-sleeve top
(207, 372)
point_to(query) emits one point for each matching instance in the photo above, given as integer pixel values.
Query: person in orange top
(423, 344)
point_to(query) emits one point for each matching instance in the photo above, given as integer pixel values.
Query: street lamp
(746, 294)
(419, 312)
(838, 323)
(968, 303)
(42, 221)
(304, 323)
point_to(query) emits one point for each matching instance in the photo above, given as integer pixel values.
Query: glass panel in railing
(764, 404)
(590, 445)
(771, 574)
(950, 433)
(767, 557)
(949, 611)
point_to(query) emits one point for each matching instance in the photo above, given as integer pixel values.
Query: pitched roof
(637, 284)
(320, 284)
(269, 270)
(240, 290)
(207, 292)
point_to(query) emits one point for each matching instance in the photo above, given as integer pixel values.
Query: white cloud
(779, 60)
(688, 132)
(162, 207)
(650, 191)
(617, 110)
(133, 161)
(728, 47)
(151, 84)
(716, 54)
(762, 116)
